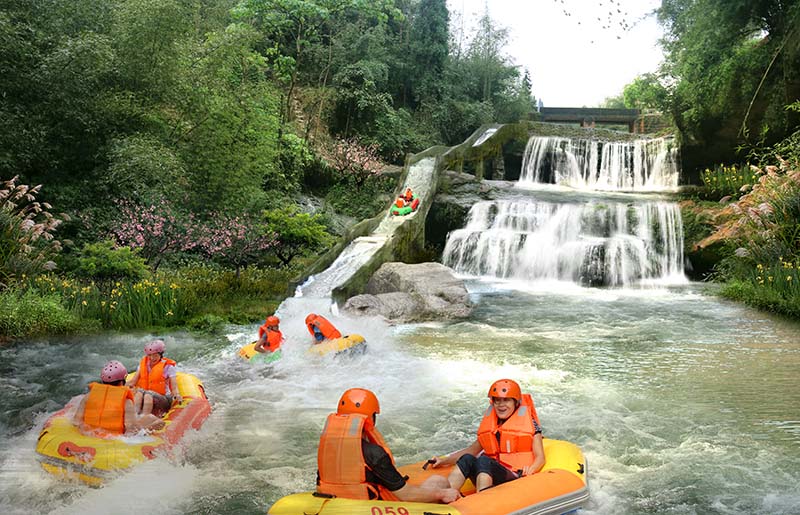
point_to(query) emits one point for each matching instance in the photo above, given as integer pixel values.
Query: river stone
(412, 293)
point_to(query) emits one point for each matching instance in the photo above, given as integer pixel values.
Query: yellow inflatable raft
(560, 487)
(64, 451)
(351, 344)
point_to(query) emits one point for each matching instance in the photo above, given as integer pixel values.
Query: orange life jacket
(105, 407)
(274, 337)
(408, 196)
(153, 379)
(340, 460)
(515, 449)
(325, 327)
(400, 202)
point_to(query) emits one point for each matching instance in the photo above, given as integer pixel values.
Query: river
(682, 403)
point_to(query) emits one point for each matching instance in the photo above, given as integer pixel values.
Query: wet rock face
(412, 293)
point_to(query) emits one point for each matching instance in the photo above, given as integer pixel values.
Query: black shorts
(471, 466)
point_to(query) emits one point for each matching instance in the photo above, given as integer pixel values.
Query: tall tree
(428, 50)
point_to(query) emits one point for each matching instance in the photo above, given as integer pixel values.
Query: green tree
(428, 50)
(297, 233)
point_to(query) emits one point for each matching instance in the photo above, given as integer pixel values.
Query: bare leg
(138, 397)
(147, 404)
(456, 478)
(436, 483)
(483, 481)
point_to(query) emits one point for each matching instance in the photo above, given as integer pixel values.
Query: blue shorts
(471, 466)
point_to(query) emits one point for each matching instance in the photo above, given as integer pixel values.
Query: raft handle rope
(320, 494)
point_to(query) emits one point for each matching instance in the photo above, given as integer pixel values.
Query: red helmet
(272, 320)
(361, 401)
(155, 347)
(113, 371)
(505, 388)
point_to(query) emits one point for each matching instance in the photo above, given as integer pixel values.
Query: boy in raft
(155, 381)
(408, 196)
(269, 336)
(509, 437)
(321, 329)
(355, 463)
(109, 406)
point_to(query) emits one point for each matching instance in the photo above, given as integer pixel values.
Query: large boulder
(412, 293)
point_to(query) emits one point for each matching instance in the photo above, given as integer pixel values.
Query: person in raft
(109, 406)
(408, 196)
(509, 443)
(155, 381)
(269, 336)
(355, 463)
(321, 329)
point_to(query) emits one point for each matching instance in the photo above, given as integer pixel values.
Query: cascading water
(640, 165)
(603, 241)
(593, 244)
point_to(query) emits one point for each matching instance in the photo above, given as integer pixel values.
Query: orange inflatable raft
(561, 487)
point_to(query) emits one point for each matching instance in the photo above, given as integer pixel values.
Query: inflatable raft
(402, 211)
(348, 344)
(64, 451)
(249, 353)
(561, 487)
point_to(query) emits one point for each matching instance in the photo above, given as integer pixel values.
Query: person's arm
(538, 462)
(474, 448)
(259, 346)
(77, 415)
(434, 489)
(173, 388)
(133, 380)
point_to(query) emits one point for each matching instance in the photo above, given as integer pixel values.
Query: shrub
(103, 262)
(27, 314)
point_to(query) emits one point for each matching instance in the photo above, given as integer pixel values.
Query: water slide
(364, 254)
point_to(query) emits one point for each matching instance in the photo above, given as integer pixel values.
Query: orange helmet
(361, 401)
(272, 320)
(505, 388)
(310, 318)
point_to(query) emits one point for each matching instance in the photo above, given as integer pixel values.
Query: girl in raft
(509, 443)
(321, 329)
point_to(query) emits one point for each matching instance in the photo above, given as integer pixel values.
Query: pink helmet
(155, 347)
(113, 371)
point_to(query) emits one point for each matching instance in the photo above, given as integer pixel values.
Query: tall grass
(27, 313)
(724, 180)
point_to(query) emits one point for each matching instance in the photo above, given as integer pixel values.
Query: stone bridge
(589, 116)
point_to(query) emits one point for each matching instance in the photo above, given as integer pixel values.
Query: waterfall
(593, 244)
(639, 165)
(592, 239)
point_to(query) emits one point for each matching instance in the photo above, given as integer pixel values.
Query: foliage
(731, 67)
(361, 203)
(127, 305)
(352, 160)
(297, 233)
(105, 263)
(27, 228)
(24, 314)
(731, 181)
(157, 228)
(234, 241)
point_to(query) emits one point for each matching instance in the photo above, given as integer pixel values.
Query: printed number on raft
(388, 510)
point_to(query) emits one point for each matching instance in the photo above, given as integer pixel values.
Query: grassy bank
(198, 297)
